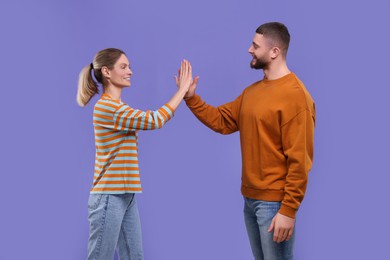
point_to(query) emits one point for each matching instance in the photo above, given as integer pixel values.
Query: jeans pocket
(94, 201)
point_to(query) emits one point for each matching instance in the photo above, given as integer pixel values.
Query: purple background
(191, 207)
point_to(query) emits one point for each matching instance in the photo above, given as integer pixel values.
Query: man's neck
(276, 71)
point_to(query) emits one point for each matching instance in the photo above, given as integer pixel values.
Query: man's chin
(255, 66)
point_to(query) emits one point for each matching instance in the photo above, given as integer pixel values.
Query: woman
(113, 213)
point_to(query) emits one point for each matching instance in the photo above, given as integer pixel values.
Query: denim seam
(124, 233)
(102, 230)
(126, 240)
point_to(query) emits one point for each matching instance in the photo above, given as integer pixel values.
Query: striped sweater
(116, 125)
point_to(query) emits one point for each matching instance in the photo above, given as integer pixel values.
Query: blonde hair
(87, 86)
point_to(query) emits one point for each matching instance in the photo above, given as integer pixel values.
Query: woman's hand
(185, 76)
(182, 82)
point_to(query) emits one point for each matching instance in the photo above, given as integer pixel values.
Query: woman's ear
(105, 72)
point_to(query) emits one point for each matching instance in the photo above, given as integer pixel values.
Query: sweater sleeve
(222, 119)
(122, 117)
(298, 142)
(129, 119)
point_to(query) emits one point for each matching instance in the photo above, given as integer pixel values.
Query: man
(275, 117)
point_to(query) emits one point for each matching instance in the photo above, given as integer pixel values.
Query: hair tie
(91, 65)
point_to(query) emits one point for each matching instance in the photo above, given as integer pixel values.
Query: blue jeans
(114, 223)
(258, 217)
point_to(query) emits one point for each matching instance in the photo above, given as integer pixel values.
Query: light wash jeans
(114, 223)
(258, 217)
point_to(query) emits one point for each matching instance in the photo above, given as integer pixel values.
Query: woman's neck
(114, 92)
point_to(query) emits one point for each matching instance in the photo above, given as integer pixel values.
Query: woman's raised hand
(185, 76)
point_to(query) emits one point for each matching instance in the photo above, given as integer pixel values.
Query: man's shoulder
(298, 90)
(254, 85)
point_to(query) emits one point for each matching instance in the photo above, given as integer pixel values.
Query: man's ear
(275, 52)
(105, 72)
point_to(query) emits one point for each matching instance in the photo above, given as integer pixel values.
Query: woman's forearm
(174, 102)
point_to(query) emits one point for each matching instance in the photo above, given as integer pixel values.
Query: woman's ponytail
(87, 87)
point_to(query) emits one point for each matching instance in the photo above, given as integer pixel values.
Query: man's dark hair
(277, 33)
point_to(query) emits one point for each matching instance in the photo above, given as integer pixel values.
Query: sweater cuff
(171, 110)
(192, 100)
(287, 211)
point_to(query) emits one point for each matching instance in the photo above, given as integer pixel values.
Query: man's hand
(191, 90)
(283, 227)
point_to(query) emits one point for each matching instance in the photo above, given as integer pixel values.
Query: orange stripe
(108, 146)
(100, 128)
(139, 123)
(146, 121)
(134, 118)
(117, 189)
(118, 161)
(105, 134)
(102, 116)
(107, 97)
(127, 154)
(102, 123)
(124, 161)
(170, 108)
(159, 122)
(127, 118)
(103, 110)
(117, 182)
(124, 121)
(125, 141)
(111, 138)
(113, 169)
(127, 148)
(126, 175)
(112, 132)
(164, 112)
(116, 144)
(107, 104)
(118, 118)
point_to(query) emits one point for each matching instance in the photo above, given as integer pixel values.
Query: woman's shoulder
(107, 103)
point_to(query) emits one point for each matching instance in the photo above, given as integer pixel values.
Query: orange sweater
(276, 122)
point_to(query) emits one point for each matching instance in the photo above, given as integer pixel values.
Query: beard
(258, 63)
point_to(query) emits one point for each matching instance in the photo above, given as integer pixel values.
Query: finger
(290, 232)
(187, 68)
(177, 80)
(183, 69)
(283, 235)
(196, 80)
(271, 227)
(276, 234)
